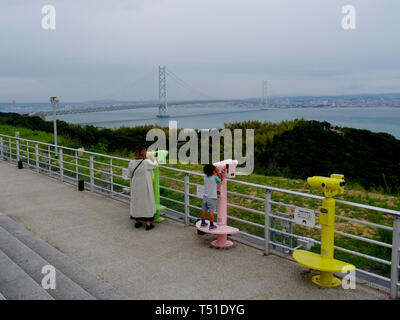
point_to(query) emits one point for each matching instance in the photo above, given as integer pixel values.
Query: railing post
(76, 166)
(267, 223)
(27, 153)
(394, 276)
(91, 173)
(37, 156)
(17, 147)
(49, 151)
(10, 150)
(1, 147)
(61, 164)
(111, 177)
(187, 198)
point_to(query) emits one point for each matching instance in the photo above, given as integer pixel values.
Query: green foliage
(293, 149)
(10, 115)
(315, 148)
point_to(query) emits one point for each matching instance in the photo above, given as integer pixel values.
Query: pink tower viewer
(228, 170)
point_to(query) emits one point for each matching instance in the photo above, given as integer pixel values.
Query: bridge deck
(169, 262)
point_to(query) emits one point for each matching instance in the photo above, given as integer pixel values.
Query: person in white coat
(140, 171)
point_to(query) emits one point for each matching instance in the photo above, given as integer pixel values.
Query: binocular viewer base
(222, 243)
(221, 231)
(157, 217)
(327, 280)
(327, 267)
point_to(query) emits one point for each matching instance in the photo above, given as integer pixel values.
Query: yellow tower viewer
(325, 261)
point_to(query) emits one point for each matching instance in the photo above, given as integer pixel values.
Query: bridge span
(130, 106)
(162, 104)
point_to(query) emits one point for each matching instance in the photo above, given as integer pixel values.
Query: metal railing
(255, 211)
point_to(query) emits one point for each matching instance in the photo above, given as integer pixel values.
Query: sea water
(216, 115)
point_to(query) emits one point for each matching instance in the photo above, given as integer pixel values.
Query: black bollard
(20, 164)
(81, 185)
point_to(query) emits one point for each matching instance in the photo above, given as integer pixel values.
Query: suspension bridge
(163, 102)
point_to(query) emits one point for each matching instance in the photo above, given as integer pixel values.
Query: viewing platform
(169, 262)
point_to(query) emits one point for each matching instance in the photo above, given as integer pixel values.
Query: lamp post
(54, 101)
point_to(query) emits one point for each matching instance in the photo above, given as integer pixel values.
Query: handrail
(302, 194)
(67, 148)
(265, 187)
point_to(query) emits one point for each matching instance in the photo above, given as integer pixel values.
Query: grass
(353, 193)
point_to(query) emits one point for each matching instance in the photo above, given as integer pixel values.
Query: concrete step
(16, 284)
(32, 264)
(88, 281)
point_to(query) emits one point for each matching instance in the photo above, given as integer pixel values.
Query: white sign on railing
(304, 217)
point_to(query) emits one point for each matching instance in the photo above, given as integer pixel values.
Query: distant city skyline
(111, 50)
(397, 95)
(356, 100)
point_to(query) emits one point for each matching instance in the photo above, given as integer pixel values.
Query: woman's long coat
(142, 195)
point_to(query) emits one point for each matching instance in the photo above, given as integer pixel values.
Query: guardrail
(255, 211)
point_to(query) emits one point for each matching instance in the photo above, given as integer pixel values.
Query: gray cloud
(224, 48)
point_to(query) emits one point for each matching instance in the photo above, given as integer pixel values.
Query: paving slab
(169, 262)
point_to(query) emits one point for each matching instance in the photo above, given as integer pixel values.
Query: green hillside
(292, 149)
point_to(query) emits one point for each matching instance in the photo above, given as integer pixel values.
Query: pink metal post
(227, 169)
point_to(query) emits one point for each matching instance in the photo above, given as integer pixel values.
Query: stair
(29, 253)
(15, 284)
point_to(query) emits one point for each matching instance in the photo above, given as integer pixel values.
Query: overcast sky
(225, 48)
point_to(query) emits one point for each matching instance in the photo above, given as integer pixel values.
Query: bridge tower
(265, 101)
(162, 93)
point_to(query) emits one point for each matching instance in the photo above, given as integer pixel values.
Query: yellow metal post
(327, 221)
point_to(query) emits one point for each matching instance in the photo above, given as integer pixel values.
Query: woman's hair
(140, 152)
(208, 169)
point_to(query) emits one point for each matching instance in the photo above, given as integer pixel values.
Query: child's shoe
(203, 223)
(212, 226)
